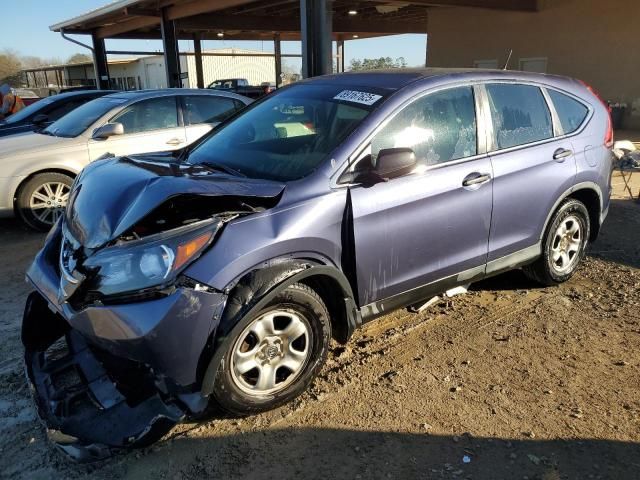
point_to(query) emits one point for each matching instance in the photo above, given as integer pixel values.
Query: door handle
(175, 141)
(475, 178)
(561, 153)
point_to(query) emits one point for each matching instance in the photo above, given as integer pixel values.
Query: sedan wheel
(43, 198)
(48, 202)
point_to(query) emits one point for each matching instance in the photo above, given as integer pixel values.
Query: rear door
(531, 167)
(150, 125)
(203, 112)
(433, 223)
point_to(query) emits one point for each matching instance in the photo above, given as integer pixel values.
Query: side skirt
(420, 294)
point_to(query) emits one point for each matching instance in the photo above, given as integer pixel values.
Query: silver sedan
(37, 169)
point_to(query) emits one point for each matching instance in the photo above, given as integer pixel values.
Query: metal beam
(291, 24)
(517, 5)
(197, 50)
(277, 56)
(315, 27)
(198, 7)
(100, 65)
(171, 55)
(127, 26)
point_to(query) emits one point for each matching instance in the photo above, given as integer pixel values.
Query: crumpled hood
(112, 195)
(30, 142)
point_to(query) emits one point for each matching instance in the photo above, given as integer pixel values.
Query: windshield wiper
(46, 132)
(223, 168)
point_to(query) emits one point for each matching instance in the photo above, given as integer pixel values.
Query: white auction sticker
(365, 98)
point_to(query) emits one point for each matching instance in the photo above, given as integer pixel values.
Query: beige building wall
(594, 40)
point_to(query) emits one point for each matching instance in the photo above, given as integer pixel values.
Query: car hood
(31, 142)
(112, 195)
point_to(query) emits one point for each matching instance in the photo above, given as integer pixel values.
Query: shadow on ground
(335, 453)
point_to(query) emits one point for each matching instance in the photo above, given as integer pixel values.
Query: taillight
(608, 136)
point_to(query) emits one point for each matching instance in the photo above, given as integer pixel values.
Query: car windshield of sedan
(289, 134)
(77, 121)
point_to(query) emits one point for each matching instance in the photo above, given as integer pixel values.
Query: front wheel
(272, 357)
(43, 199)
(564, 245)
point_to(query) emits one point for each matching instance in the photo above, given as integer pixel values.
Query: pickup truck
(241, 86)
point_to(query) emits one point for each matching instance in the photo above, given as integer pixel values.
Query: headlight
(150, 262)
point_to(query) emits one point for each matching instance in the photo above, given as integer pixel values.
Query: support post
(316, 29)
(197, 50)
(100, 65)
(340, 51)
(171, 52)
(278, 59)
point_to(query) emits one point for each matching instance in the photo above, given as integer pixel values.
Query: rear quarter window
(571, 112)
(520, 114)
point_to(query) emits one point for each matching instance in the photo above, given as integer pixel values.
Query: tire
(561, 256)
(260, 367)
(42, 199)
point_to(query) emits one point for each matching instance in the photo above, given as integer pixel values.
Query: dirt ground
(510, 381)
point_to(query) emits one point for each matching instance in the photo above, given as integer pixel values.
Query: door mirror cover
(395, 162)
(108, 130)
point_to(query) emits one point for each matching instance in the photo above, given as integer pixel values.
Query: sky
(28, 33)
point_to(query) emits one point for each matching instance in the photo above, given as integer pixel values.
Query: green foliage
(79, 58)
(377, 63)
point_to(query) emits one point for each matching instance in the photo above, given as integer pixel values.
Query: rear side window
(62, 109)
(571, 112)
(439, 127)
(207, 109)
(520, 115)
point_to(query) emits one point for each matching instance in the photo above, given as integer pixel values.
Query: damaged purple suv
(219, 274)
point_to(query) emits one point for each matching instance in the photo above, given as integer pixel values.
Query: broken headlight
(153, 261)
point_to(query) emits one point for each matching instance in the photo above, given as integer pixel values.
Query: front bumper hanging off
(88, 412)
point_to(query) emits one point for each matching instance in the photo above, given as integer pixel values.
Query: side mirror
(108, 130)
(395, 162)
(40, 119)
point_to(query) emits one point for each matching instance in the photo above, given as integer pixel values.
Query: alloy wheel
(271, 352)
(48, 201)
(566, 244)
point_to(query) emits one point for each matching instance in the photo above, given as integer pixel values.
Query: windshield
(287, 135)
(30, 110)
(78, 120)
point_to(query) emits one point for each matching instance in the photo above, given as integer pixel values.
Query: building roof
(260, 19)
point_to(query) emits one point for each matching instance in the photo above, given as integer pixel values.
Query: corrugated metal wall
(256, 69)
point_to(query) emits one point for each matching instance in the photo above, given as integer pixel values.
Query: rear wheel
(272, 357)
(564, 245)
(43, 198)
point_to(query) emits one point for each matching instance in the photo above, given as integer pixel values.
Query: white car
(37, 169)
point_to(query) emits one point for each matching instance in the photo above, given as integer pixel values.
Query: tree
(10, 66)
(377, 63)
(79, 58)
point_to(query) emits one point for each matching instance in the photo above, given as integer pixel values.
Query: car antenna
(508, 59)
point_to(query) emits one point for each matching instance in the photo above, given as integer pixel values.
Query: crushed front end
(107, 376)
(116, 337)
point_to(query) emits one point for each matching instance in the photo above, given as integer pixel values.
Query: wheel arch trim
(567, 193)
(252, 294)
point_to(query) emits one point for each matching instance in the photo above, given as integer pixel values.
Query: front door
(431, 224)
(150, 125)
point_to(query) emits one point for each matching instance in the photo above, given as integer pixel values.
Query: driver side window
(148, 115)
(439, 127)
